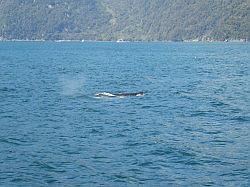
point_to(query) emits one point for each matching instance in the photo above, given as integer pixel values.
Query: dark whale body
(129, 94)
(105, 94)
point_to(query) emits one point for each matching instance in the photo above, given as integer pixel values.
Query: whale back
(106, 94)
(130, 94)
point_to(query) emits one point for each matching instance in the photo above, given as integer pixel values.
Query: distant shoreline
(134, 41)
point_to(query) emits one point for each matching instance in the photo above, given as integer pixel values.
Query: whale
(107, 94)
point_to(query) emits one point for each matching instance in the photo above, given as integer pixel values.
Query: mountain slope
(52, 19)
(127, 19)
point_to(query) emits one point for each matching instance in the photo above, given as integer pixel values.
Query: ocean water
(191, 128)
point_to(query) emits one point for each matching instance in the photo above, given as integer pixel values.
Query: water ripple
(190, 129)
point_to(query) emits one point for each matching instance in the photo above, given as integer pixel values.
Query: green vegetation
(128, 19)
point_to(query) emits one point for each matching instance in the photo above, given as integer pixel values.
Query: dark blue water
(190, 129)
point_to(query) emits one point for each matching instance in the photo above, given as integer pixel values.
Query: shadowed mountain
(128, 19)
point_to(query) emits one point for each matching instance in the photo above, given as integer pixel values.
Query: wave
(105, 94)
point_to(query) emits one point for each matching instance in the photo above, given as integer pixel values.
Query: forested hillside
(127, 19)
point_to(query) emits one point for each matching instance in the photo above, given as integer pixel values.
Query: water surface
(190, 129)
